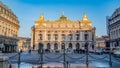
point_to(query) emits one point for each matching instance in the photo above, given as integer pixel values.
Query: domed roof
(6, 8)
(84, 17)
(63, 17)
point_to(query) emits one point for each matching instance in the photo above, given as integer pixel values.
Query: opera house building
(54, 36)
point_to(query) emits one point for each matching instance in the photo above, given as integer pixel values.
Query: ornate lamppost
(64, 59)
(110, 56)
(19, 56)
(42, 57)
(86, 47)
(33, 37)
(40, 51)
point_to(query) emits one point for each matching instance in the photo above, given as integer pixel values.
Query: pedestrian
(21, 51)
(10, 66)
(29, 51)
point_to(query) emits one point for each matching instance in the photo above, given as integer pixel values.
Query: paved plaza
(73, 60)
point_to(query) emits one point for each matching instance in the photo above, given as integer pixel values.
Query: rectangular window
(49, 36)
(119, 31)
(63, 36)
(86, 36)
(56, 36)
(40, 35)
(70, 36)
(77, 36)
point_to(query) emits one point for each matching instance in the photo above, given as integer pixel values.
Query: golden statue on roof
(85, 23)
(41, 19)
(84, 17)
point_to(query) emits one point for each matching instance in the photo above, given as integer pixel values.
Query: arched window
(40, 35)
(77, 36)
(70, 45)
(55, 46)
(77, 46)
(48, 46)
(63, 46)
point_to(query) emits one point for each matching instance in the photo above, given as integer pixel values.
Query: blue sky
(28, 11)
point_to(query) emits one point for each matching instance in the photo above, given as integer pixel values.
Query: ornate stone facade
(9, 26)
(24, 43)
(102, 42)
(62, 33)
(113, 28)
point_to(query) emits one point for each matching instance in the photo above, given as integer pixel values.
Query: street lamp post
(67, 64)
(33, 37)
(110, 56)
(19, 54)
(86, 45)
(41, 58)
(86, 48)
(64, 59)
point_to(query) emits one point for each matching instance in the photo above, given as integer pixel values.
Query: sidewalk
(116, 66)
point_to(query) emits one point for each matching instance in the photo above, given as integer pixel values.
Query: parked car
(117, 53)
(99, 52)
(106, 51)
(92, 51)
